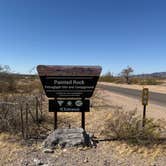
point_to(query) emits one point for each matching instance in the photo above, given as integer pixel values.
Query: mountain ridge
(155, 74)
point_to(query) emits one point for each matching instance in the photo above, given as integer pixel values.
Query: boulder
(68, 137)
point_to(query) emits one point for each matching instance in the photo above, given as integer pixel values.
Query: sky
(109, 33)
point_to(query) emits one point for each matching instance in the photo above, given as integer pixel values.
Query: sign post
(55, 120)
(83, 120)
(145, 98)
(70, 86)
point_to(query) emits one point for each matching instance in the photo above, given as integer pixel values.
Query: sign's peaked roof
(50, 70)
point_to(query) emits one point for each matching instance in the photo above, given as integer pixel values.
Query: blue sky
(110, 33)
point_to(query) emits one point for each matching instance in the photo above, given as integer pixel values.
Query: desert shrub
(11, 107)
(128, 126)
(146, 81)
(7, 80)
(135, 80)
(111, 78)
(12, 85)
(149, 81)
(7, 83)
(119, 80)
(3, 86)
(29, 85)
(108, 77)
(9, 114)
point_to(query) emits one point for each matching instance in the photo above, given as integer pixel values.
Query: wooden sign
(70, 105)
(145, 96)
(69, 81)
(67, 84)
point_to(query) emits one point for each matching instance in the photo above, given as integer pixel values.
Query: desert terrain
(106, 107)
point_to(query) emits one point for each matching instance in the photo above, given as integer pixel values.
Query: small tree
(126, 73)
(5, 69)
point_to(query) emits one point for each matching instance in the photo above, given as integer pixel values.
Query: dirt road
(132, 102)
(156, 98)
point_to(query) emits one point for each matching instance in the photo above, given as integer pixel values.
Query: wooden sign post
(145, 99)
(55, 120)
(70, 86)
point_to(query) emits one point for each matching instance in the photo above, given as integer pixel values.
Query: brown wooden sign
(67, 84)
(69, 81)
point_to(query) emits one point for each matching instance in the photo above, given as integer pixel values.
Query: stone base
(68, 137)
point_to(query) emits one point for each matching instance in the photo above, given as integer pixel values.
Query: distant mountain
(156, 74)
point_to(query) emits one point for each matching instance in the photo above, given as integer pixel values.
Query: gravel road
(156, 98)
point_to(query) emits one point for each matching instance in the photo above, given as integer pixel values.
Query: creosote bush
(146, 81)
(128, 126)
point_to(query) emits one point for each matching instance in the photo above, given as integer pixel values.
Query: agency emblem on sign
(78, 103)
(66, 105)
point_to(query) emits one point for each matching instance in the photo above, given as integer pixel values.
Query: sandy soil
(107, 153)
(152, 88)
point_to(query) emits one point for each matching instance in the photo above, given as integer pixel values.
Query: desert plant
(126, 73)
(150, 81)
(7, 79)
(11, 84)
(127, 126)
(20, 113)
(107, 77)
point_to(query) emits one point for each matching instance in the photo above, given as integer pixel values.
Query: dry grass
(29, 86)
(132, 80)
(9, 148)
(123, 149)
(128, 126)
